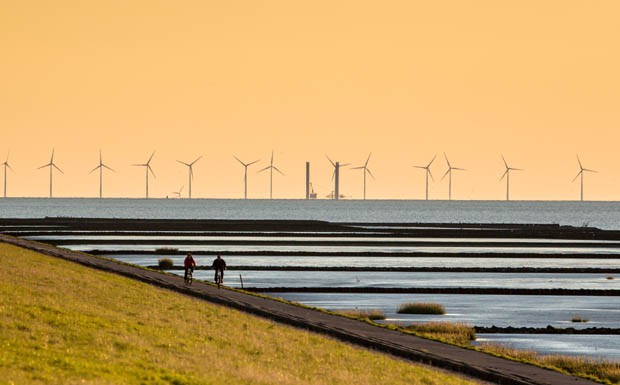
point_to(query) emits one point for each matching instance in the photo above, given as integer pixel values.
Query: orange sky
(536, 81)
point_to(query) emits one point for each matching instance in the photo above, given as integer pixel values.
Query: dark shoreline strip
(548, 330)
(249, 253)
(266, 242)
(555, 270)
(438, 290)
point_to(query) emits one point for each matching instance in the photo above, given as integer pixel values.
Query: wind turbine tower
(52, 166)
(336, 177)
(147, 168)
(191, 174)
(449, 174)
(507, 175)
(366, 170)
(580, 174)
(6, 166)
(101, 166)
(307, 180)
(245, 176)
(427, 169)
(271, 167)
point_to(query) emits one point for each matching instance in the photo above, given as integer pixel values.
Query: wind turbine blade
(577, 176)
(271, 162)
(45, 165)
(191, 173)
(256, 161)
(517, 169)
(52, 158)
(91, 171)
(57, 168)
(140, 165)
(430, 173)
(367, 160)
(504, 174)
(330, 161)
(100, 158)
(345, 164)
(429, 163)
(9, 166)
(447, 161)
(108, 167)
(420, 167)
(444, 175)
(186, 164)
(278, 170)
(263, 169)
(370, 173)
(239, 160)
(505, 163)
(181, 190)
(460, 169)
(357, 168)
(579, 161)
(586, 169)
(151, 157)
(333, 174)
(148, 167)
(197, 159)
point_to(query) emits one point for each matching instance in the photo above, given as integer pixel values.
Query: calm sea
(604, 215)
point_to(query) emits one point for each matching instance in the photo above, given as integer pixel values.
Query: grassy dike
(62, 323)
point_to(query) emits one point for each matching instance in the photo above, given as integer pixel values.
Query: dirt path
(469, 362)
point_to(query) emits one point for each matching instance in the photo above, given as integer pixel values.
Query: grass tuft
(578, 318)
(165, 263)
(610, 277)
(421, 308)
(371, 314)
(450, 332)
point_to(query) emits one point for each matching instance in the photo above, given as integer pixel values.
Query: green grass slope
(62, 323)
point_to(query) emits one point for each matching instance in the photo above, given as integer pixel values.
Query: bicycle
(189, 277)
(219, 278)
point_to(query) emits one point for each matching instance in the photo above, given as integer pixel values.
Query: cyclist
(189, 264)
(219, 265)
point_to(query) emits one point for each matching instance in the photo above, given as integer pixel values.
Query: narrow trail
(469, 362)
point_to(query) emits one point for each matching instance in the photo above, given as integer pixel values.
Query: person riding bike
(219, 265)
(189, 264)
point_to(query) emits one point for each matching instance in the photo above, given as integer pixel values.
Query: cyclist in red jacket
(189, 263)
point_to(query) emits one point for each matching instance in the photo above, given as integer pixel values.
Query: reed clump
(371, 314)
(451, 332)
(421, 308)
(165, 263)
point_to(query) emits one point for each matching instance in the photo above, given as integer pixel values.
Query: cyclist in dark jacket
(219, 265)
(189, 264)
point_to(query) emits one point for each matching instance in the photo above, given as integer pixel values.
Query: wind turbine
(52, 166)
(428, 172)
(178, 193)
(581, 170)
(271, 167)
(336, 177)
(449, 174)
(366, 170)
(6, 165)
(101, 166)
(147, 168)
(507, 175)
(191, 174)
(245, 176)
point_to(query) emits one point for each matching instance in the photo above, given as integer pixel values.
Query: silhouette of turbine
(366, 171)
(52, 166)
(147, 168)
(178, 193)
(428, 172)
(507, 175)
(101, 166)
(245, 176)
(6, 165)
(336, 177)
(449, 174)
(581, 172)
(271, 167)
(191, 173)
